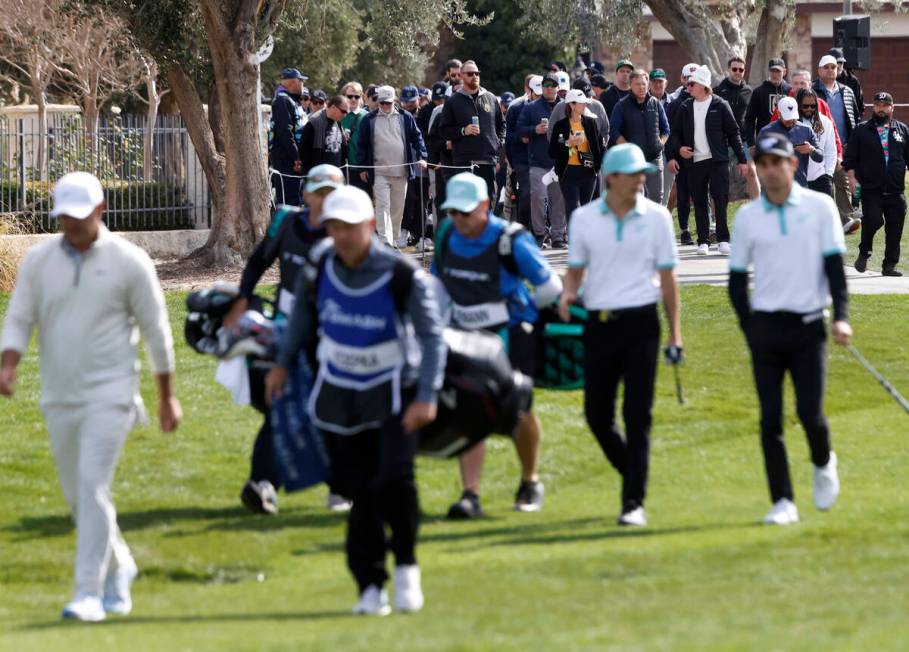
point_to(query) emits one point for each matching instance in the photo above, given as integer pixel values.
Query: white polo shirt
(786, 246)
(622, 256)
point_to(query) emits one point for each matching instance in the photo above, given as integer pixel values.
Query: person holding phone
(577, 147)
(799, 134)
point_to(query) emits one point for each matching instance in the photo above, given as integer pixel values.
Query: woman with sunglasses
(577, 147)
(820, 174)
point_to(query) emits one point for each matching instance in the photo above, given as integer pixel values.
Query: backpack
(505, 244)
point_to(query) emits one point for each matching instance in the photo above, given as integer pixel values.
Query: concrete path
(713, 269)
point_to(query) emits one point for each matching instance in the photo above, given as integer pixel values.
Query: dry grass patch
(11, 250)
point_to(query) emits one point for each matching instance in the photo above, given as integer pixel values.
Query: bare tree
(26, 36)
(152, 103)
(96, 58)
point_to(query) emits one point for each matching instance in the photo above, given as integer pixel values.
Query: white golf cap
(825, 60)
(789, 109)
(76, 195)
(564, 80)
(386, 93)
(347, 204)
(577, 95)
(689, 69)
(536, 84)
(701, 76)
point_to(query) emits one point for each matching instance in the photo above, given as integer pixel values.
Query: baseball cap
(826, 60)
(438, 90)
(319, 94)
(551, 77)
(76, 195)
(293, 73)
(410, 94)
(324, 176)
(347, 204)
(689, 69)
(583, 85)
(536, 84)
(372, 90)
(386, 93)
(773, 144)
(626, 158)
(564, 80)
(789, 109)
(464, 192)
(657, 73)
(577, 95)
(597, 66)
(506, 98)
(624, 63)
(304, 93)
(884, 97)
(837, 53)
(701, 76)
(776, 64)
(425, 92)
(599, 80)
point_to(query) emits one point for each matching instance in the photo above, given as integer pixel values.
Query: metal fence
(152, 179)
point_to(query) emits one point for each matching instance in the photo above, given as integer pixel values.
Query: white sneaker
(87, 608)
(724, 248)
(826, 484)
(408, 592)
(117, 595)
(635, 517)
(703, 249)
(424, 245)
(338, 503)
(373, 602)
(403, 238)
(783, 512)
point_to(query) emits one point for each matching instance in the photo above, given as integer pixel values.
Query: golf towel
(300, 452)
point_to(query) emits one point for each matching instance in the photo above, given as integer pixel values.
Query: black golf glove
(673, 354)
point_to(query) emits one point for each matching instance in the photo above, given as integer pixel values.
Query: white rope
(348, 166)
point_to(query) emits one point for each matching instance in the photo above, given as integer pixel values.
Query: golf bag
(481, 395)
(562, 356)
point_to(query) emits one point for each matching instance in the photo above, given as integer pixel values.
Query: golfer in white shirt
(87, 290)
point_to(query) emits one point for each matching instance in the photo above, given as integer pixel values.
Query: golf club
(678, 386)
(890, 389)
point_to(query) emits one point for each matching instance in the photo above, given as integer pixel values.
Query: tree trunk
(710, 34)
(148, 141)
(773, 34)
(244, 211)
(37, 85)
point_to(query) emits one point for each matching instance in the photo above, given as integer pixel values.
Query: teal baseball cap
(626, 158)
(464, 192)
(324, 176)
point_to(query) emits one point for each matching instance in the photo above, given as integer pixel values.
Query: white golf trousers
(87, 442)
(390, 194)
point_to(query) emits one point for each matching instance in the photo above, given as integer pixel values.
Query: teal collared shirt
(794, 199)
(637, 211)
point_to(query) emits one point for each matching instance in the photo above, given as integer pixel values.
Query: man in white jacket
(87, 290)
(820, 174)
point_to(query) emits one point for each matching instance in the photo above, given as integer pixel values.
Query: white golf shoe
(826, 484)
(373, 602)
(703, 250)
(337, 503)
(783, 512)
(87, 608)
(117, 590)
(636, 517)
(724, 248)
(408, 591)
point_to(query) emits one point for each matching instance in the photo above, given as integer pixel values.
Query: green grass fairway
(704, 575)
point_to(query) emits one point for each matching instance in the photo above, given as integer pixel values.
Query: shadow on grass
(219, 519)
(190, 619)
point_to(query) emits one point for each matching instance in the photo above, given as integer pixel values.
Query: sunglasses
(456, 213)
(737, 69)
(471, 73)
(806, 107)
(343, 111)
(353, 97)
(319, 102)
(386, 103)
(550, 85)
(690, 84)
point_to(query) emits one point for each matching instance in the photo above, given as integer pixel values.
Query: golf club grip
(890, 389)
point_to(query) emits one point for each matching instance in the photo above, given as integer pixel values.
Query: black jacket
(865, 155)
(853, 114)
(321, 142)
(611, 96)
(561, 130)
(639, 123)
(458, 112)
(848, 77)
(722, 131)
(738, 97)
(760, 109)
(286, 128)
